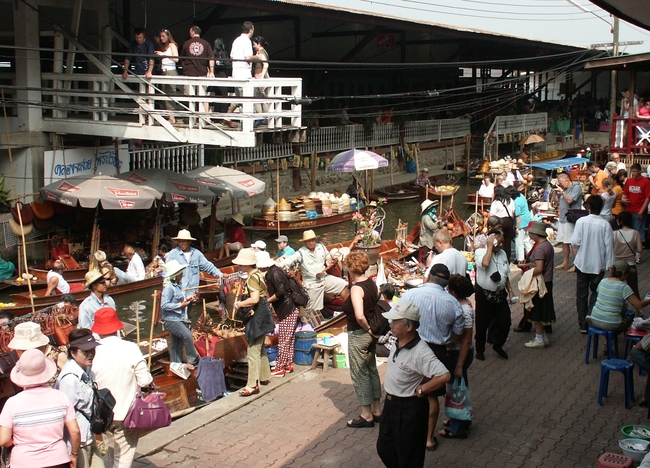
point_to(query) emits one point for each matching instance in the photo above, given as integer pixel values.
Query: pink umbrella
(357, 160)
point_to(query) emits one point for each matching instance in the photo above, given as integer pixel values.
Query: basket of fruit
(445, 190)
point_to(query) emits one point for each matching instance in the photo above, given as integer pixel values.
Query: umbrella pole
(213, 223)
(156, 233)
(277, 196)
(391, 166)
(94, 242)
(252, 208)
(153, 320)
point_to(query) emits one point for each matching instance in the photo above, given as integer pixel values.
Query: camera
(496, 276)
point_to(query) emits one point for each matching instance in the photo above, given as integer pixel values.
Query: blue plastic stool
(618, 365)
(608, 334)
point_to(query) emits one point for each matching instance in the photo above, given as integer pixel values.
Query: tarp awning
(550, 165)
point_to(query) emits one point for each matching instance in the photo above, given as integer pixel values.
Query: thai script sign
(105, 160)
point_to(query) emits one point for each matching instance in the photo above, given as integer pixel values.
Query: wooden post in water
(313, 171)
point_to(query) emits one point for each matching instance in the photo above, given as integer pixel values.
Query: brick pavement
(538, 409)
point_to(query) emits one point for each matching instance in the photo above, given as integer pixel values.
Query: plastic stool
(618, 365)
(614, 460)
(608, 334)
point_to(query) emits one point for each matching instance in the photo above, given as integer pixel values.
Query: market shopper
(314, 260)
(95, 300)
(447, 254)
(593, 244)
(492, 290)
(636, 196)
(523, 218)
(33, 420)
(277, 283)
(504, 207)
(570, 198)
(76, 380)
(257, 325)
(143, 47)
(119, 367)
(242, 57)
(413, 373)
(441, 316)
(173, 306)
(628, 247)
(358, 307)
(199, 58)
(193, 259)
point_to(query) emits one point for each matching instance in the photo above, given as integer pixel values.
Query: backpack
(101, 416)
(297, 293)
(377, 322)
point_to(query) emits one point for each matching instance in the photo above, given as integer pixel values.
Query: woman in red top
(237, 240)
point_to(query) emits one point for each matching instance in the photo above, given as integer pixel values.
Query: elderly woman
(259, 322)
(33, 421)
(540, 259)
(76, 380)
(173, 306)
(609, 311)
(492, 288)
(358, 307)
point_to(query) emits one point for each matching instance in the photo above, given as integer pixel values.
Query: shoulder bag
(573, 216)
(148, 412)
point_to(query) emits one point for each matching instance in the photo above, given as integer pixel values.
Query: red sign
(246, 182)
(118, 192)
(208, 182)
(67, 187)
(50, 196)
(185, 187)
(136, 179)
(178, 198)
(125, 204)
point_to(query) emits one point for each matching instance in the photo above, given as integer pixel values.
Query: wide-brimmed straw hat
(308, 235)
(173, 268)
(106, 321)
(538, 228)
(238, 218)
(33, 369)
(28, 335)
(92, 276)
(263, 260)
(245, 257)
(184, 234)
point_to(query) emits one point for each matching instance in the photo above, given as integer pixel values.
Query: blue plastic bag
(458, 401)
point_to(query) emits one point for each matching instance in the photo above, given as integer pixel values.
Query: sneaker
(179, 369)
(501, 353)
(480, 356)
(583, 331)
(278, 372)
(288, 369)
(535, 344)
(546, 340)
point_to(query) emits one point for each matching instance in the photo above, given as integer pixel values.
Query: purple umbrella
(357, 160)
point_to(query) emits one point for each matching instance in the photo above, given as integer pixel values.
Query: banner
(60, 164)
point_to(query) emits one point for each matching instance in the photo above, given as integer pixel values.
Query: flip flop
(433, 448)
(361, 422)
(447, 434)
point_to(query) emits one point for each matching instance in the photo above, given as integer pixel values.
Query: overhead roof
(633, 11)
(633, 62)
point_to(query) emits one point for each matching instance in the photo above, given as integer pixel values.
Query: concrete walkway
(538, 409)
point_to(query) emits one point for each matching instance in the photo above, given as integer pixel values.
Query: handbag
(573, 216)
(26, 213)
(458, 402)
(148, 412)
(244, 314)
(62, 328)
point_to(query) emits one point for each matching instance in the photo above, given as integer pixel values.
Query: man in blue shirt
(284, 249)
(140, 45)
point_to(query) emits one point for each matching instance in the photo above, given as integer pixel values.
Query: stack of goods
(284, 210)
(344, 203)
(268, 209)
(327, 205)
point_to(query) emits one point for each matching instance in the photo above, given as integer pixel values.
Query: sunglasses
(101, 280)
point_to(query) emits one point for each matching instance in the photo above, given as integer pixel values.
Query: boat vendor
(423, 179)
(379, 216)
(487, 187)
(355, 190)
(284, 249)
(195, 261)
(136, 268)
(56, 283)
(237, 240)
(96, 300)
(512, 176)
(314, 262)
(427, 228)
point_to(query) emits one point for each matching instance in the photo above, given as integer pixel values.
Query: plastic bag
(458, 402)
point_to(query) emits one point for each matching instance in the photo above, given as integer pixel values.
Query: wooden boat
(482, 201)
(261, 224)
(40, 300)
(75, 274)
(396, 192)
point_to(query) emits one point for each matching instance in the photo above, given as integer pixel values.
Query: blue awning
(550, 165)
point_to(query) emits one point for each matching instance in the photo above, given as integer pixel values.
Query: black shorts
(448, 359)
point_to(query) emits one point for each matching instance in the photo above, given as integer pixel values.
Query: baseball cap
(403, 310)
(440, 270)
(282, 238)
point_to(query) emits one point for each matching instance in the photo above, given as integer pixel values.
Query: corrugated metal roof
(633, 11)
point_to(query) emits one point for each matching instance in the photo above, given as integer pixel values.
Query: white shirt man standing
(242, 55)
(136, 268)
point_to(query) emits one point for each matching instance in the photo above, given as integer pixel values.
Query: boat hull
(261, 224)
(40, 300)
(76, 274)
(396, 192)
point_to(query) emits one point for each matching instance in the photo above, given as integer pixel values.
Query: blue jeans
(638, 223)
(585, 283)
(181, 338)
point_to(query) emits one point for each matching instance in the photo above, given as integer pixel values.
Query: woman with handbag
(628, 247)
(358, 308)
(255, 312)
(76, 381)
(504, 207)
(173, 306)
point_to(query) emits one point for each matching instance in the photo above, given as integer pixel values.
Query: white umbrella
(177, 188)
(357, 160)
(222, 180)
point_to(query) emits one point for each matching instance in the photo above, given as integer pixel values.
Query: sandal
(446, 422)
(361, 422)
(434, 447)
(248, 392)
(447, 434)
(376, 418)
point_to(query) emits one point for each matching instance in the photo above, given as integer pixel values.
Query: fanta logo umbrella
(357, 160)
(175, 187)
(222, 181)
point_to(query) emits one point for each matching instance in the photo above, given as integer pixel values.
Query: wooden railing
(519, 126)
(630, 136)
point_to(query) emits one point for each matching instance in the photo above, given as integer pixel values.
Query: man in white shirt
(136, 269)
(242, 55)
(593, 244)
(487, 188)
(56, 284)
(616, 158)
(448, 256)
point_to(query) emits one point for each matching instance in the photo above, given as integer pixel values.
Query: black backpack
(297, 293)
(377, 322)
(101, 416)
